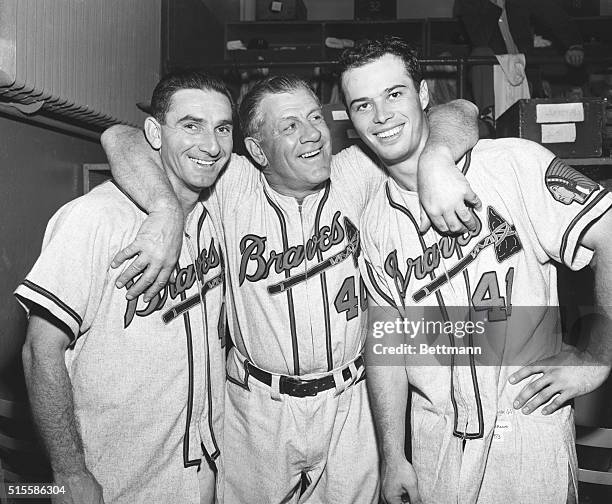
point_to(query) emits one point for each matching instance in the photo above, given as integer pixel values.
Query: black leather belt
(296, 387)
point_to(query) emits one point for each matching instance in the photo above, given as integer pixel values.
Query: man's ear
(256, 152)
(424, 94)
(152, 130)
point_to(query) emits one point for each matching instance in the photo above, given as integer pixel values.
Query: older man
(128, 396)
(298, 425)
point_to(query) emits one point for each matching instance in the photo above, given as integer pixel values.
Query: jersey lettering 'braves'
(147, 378)
(253, 248)
(181, 281)
(297, 297)
(502, 273)
(296, 306)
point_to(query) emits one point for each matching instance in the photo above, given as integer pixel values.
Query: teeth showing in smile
(389, 133)
(310, 154)
(201, 161)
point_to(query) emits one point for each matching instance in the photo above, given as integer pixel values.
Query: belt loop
(339, 382)
(353, 369)
(245, 364)
(275, 387)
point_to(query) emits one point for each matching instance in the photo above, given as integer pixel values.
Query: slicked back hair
(188, 79)
(366, 51)
(249, 114)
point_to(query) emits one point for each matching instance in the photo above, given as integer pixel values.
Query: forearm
(444, 192)
(50, 394)
(388, 393)
(453, 129)
(137, 168)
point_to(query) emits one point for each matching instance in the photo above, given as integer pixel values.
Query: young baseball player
(297, 408)
(127, 395)
(470, 443)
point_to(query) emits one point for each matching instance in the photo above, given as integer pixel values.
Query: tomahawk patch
(510, 244)
(566, 184)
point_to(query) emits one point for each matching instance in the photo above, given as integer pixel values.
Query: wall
(344, 9)
(424, 8)
(324, 9)
(40, 170)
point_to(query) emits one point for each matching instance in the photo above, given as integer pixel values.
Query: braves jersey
(147, 379)
(296, 301)
(535, 209)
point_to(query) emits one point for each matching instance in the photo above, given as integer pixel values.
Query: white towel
(509, 81)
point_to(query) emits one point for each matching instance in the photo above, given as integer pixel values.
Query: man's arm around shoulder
(444, 192)
(137, 168)
(51, 401)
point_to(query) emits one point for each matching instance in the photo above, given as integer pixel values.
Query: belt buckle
(301, 388)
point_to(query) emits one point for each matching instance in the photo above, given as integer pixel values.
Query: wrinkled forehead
(298, 102)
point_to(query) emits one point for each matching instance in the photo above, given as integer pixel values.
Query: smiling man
(471, 441)
(128, 396)
(298, 425)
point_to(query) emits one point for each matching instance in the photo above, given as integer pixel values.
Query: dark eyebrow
(387, 90)
(190, 118)
(199, 120)
(393, 88)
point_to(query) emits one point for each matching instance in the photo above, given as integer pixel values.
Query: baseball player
(298, 425)
(127, 395)
(469, 442)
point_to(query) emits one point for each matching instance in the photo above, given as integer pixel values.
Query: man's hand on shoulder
(570, 373)
(399, 483)
(445, 194)
(157, 247)
(80, 488)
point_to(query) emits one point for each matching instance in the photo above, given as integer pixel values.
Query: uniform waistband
(296, 386)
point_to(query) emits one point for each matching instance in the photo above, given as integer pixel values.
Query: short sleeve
(558, 201)
(69, 276)
(353, 169)
(371, 264)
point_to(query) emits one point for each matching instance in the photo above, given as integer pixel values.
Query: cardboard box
(569, 128)
(267, 10)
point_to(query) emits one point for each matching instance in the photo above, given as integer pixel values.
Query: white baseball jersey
(535, 209)
(147, 379)
(297, 302)
(296, 306)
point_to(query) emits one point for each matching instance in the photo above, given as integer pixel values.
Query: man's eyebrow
(387, 90)
(296, 117)
(288, 117)
(190, 118)
(393, 88)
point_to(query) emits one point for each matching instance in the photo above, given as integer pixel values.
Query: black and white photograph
(306, 251)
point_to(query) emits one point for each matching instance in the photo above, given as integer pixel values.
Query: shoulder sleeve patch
(567, 185)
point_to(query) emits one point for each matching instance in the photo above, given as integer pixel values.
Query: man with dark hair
(470, 442)
(298, 425)
(128, 396)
